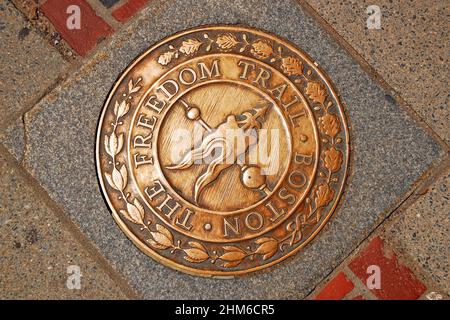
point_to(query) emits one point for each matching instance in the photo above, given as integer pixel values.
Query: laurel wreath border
(231, 256)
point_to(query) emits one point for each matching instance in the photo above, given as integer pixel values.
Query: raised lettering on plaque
(222, 150)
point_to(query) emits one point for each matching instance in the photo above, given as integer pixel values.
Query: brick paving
(376, 272)
(128, 10)
(82, 38)
(403, 273)
(336, 289)
(397, 282)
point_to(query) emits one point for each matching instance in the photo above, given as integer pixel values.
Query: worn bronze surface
(197, 200)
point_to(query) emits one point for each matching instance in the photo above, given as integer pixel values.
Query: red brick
(93, 28)
(336, 289)
(398, 282)
(128, 10)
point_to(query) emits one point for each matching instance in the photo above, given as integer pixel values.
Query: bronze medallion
(222, 150)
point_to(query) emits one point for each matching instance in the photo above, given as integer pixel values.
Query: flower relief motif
(329, 124)
(333, 159)
(316, 92)
(190, 46)
(292, 66)
(261, 49)
(167, 57)
(227, 41)
(323, 195)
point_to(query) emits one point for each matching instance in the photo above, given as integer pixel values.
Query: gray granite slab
(422, 232)
(13, 138)
(410, 51)
(37, 247)
(29, 66)
(389, 150)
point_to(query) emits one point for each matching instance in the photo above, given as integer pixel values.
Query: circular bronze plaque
(222, 150)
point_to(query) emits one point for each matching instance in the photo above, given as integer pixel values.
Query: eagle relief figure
(218, 148)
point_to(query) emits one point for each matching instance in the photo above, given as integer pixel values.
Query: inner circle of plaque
(201, 235)
(285, 154)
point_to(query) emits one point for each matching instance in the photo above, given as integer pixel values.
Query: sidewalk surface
(393, 220)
